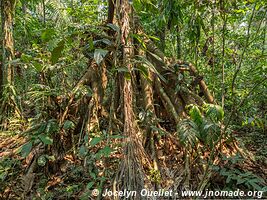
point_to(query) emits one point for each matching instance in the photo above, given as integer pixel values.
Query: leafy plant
(201, 128)
(236, 178)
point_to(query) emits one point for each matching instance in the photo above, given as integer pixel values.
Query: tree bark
(127, 50)
(111, 9)
(131, 174)
(7, 12)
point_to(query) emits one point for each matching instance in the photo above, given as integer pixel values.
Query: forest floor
(17, 182)
(256, 143)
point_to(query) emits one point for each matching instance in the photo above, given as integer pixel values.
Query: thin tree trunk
(44, 16)
(179, 43)
(1, 64)
(24, 7)
(111, 9)
(223, 53)
(213, 45)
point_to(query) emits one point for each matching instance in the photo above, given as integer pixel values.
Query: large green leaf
(45, 139)
(57, 52)
(95, 141)
(26, 149)
(104, 40)
(148, 65)
(195, 115)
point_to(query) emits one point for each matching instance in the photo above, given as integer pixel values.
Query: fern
(188, 133)
(199, 128)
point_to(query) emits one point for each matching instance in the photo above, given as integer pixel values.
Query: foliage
(236, 178)
(58, 107)
(199, 128)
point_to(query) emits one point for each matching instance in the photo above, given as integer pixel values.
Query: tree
(7, 14)
(132, 168)
(7, 70)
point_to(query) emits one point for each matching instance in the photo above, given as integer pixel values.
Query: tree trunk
(44, 17)
(132, 175)
(127, 48)
(179, 43)
(7, 12)
(111, 9)
(8, 106)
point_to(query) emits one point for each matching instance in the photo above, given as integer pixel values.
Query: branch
(169, 105)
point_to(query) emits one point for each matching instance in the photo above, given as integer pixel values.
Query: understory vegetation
(130, 95)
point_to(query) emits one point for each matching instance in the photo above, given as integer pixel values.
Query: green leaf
(3, 175)
(99, 55)
(47, 34)
(52, 126)
(45, 139)
(41, 160)
(83, 151)
(26, 58)
(215, 112)
(195, 115)
(240, 181)
(106, 151)
(117, 136)
(153, 37)
(93, 175)
(104, 40)
(26, 149)
(95, 141)
(37, 66)
(140, 40)
(255, 186)
(122, 69)
(127, 76)
(208, 126)
(51, 158)
(229, 178)
(86, 138)
(147, 64)
(90, 185)
(188, 133)
(57, 52)
(41, 129)
(114, 27)
(68, 125)
(144, 71)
